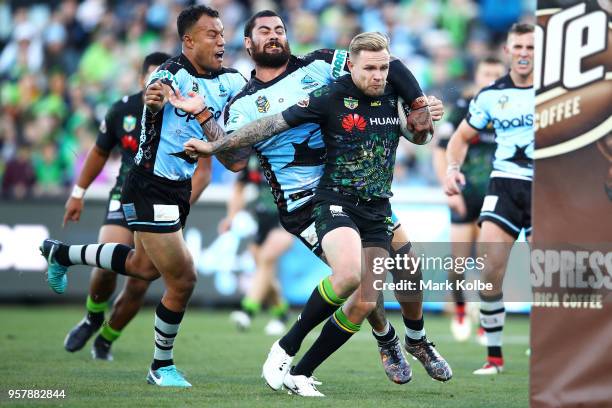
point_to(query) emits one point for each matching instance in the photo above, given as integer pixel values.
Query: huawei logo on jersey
(353, 120)
(128, 142)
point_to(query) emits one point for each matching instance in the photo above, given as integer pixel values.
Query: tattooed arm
(248, 135)
(234, 160)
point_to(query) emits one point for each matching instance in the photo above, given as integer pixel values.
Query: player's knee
(349, 281)
(365, 308)
(105, 275)
(136, 288)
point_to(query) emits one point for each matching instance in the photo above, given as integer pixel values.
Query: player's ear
(188, 41)
(248, 43)
(350, 64)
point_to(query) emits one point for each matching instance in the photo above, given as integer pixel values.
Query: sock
(415, 329)
(109, 334)
(280, 311)
(322, 303)
(492, 317)
(106, 256)
(101, 342)
(250, 306)
(337, 330)
(386, 336)
(167, 324)
(460, 311)
(95, 311)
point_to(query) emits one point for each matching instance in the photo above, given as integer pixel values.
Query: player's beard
(268, 60)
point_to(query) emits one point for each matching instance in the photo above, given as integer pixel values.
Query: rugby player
(465, 207)
(508, 104)
(120, 128)
(331, 293)
(155, 196)
(293, 163)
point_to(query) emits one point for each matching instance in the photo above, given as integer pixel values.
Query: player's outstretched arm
(455, 155)
(248, 135)
(94, 163)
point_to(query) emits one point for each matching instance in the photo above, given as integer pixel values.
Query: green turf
(224, 366)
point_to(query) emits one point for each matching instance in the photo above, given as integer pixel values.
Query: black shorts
(154, 204)
(114, 213)
(266, 222)
(372, 219)
(473, 204)
(508, 205)
(301, 223)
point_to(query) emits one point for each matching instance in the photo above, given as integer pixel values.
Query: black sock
(166, 328)
(316, 310)
(385, 338)
(415, 328)
(494, 351)
(110, 256)
(332, 337)
(95, 318)
(102, 342)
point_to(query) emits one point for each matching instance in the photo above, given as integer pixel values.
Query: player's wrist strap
(453, 167)
(203, 116)
(419, 103)
(77, 192)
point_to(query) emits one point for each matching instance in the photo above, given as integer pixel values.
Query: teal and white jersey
(293, 160)
(163, 134)
(510, 109)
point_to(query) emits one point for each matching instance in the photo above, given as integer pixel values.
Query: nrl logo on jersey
(129, 123)
(194, 87)
(351, 103)
(263, 105)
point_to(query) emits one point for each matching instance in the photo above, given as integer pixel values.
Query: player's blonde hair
(369, 41)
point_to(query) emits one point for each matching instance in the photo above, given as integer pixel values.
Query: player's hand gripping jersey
(510, 110)
(163, 134)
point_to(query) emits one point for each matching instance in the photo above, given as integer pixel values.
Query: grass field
(224, 366)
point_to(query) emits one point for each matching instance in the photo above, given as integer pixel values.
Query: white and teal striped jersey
(511, 110)
(160, 151)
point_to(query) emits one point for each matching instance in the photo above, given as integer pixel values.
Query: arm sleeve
(311, 110)
(478, 116)
(107, 139)
(404, 83)
(167, 74)
(329, 63)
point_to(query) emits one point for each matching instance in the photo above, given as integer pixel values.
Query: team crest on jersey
(503, 100)
(263, 105)
(194, 87)
(304, 103)
(308, 83)
(222, 90)
(129, 123)
(351, 103)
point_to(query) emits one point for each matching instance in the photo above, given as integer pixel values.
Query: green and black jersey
(478, 163)
(361, 134)
(121, 128)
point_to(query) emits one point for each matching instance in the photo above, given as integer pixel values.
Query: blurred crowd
(62, 63)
